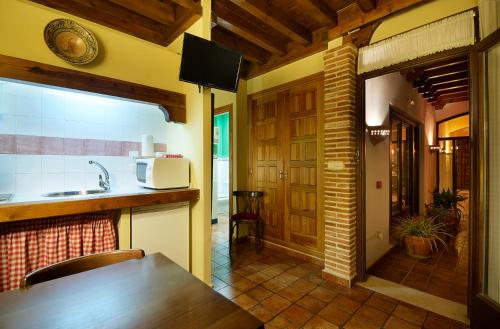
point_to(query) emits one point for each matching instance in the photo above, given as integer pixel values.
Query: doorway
(222, 186)
(410, 102)
(404, 167)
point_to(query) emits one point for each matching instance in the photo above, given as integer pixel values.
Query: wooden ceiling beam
(183, 3)
(450, 92)
(188, 17)
(248, 34)
(455, 95)
(440, 104)
(156, 10)
(111, 15)
(442, 73)
(384, 8)
(367, 5)
(275, 19)
(445, 86)
(320, 7)
(436, 81)
(230, 21)
(252, 53)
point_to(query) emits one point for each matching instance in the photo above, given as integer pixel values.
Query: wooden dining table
(152, 292)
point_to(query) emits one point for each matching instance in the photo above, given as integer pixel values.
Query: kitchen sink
(73, 193)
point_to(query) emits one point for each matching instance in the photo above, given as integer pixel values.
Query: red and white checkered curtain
(28, 245)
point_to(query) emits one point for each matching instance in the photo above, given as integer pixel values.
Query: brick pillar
(339, 167)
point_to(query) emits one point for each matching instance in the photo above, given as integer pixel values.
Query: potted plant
(420, 235)
(445, 208)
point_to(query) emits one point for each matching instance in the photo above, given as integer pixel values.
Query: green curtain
(221, 146)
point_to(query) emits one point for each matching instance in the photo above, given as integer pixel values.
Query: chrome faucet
(103, 183)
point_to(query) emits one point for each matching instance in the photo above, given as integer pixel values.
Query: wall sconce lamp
(378, 133)
(434, 148)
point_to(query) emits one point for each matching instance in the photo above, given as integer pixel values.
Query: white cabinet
(164, 229)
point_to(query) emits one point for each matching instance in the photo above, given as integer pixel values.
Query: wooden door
(267, 161)
(485, 184)
(303, 225)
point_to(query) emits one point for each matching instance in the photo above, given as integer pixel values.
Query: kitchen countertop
(25, 206)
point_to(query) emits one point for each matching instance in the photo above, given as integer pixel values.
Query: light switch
(335, 165)
(379, 184)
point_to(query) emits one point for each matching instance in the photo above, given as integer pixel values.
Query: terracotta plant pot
(418, 247)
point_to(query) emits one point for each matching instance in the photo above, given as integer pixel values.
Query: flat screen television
(209, 64)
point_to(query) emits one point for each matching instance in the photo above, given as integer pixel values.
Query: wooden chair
(79, 264)
(248, 212)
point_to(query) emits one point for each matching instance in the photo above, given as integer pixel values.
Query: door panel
(301, 213)
(485, 196)
(267, 162)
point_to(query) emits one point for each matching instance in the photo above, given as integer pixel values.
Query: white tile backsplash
(40, 111)
(53, 127)
(28, 164)
(7, 183)
(52, 183)
(26, 125)
(7, 124)
(52, 164)
(28, 183)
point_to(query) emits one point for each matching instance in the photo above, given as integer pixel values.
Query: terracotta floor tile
(261, 313)
(244, 285)
(272, 271)
(245, 301)
(359, 294)
(297, 314)
(410, 314)
(275, 303)
(217, 283)
(274, 285)
(325, 305)
(291, 294)
(396, 323)
(287, 278)
(382, 303)
(230, 277)
(303, 286)
(259, 293)
(345, 304)
(358, 323)
(334, 315)
(229, 292)
(312, 304)
(319, 323)
(436, 321)
(258, 277)
(281, 322)
(298, 271)
(323, 294)
(371, 315)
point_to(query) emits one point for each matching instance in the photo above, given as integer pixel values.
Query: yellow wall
(293, 71)
(128, 58)
(421, 15)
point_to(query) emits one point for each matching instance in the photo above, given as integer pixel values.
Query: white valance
(447, 33)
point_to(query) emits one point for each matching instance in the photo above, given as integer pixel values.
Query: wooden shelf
(42, 209)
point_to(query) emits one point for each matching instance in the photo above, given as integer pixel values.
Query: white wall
(381, 92)
(32, 110)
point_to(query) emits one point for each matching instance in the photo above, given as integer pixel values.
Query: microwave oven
(163, 173)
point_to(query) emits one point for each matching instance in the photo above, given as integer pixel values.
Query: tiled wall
(47, 137)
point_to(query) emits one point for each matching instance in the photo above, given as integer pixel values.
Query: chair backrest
(79, 264)
(248, 201)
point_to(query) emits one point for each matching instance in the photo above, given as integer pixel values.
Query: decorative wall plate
(71, 41)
